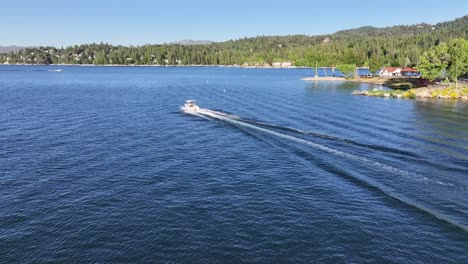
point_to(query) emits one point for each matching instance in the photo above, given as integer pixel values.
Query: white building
(390, 71)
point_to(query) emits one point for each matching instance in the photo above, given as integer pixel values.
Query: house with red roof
(390, 71)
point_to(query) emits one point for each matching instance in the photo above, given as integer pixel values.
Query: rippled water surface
(98, 164)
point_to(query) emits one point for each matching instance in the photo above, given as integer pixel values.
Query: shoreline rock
(439, 91)
(436, 92)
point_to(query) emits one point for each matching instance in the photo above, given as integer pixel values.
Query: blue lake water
(98, 164)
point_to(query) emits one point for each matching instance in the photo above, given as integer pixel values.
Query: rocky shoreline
(433, 92)
(405, 88)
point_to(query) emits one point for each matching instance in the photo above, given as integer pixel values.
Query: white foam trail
(236, 121)
(391, 193)
(195, 114)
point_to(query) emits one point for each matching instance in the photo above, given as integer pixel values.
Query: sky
(139, 22)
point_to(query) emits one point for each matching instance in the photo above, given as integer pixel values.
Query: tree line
(367, 46)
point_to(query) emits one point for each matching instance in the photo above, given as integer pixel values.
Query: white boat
(190, 106)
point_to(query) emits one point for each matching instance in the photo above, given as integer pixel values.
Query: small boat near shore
(190, 106)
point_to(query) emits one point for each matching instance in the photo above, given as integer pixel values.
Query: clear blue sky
(138, 22)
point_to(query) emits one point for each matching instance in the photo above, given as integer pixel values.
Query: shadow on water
(342, 85)
(443, 119)
(346, 85)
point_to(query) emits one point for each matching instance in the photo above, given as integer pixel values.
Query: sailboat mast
(316, 74)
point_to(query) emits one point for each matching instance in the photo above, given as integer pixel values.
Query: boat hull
(190, 109)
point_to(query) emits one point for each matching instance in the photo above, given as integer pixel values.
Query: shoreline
(412, 88)
(158, 65)
(433, 92)
(372, 80)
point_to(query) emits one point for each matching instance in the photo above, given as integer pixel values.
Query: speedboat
(190, 106)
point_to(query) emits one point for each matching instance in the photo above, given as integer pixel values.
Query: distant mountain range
(188, 42)
(185, 42)
(6, 49)
(361, 32)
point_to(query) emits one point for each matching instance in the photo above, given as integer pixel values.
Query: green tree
(42, 57)
(314, 58)
(434, 62)
(458, 65)
(100, 59)
(349, 56)
(301, 62)
(375, 63)
(407, 62)
(346, 69)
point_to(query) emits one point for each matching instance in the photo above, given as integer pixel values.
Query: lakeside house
(410, 72)
(397, 71)
(390, 71)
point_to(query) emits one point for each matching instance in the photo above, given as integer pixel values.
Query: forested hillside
(366, 46)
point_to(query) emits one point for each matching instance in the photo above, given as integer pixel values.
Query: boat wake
(294, 135)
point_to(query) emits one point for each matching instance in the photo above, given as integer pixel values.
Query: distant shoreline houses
(397, 71)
